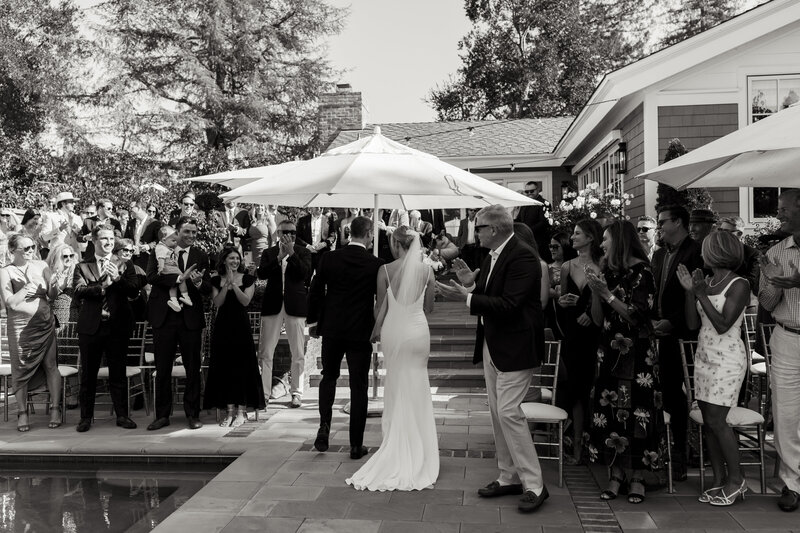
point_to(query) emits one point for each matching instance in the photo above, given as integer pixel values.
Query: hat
(6, 211)
(188, 194)
(62, 196)
(702, 216)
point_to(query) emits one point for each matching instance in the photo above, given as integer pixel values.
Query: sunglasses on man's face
(481, 226)
(28, 248)
(127, 250)
(664, 221)
(287, 232)
(644, 229)
(532, 191)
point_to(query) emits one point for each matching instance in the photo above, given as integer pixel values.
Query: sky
(395, 52)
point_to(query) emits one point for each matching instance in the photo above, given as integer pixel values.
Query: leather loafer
(494, 489)
(530, 502)
(194, 423)
(789, 500)
(84, 425)
(357, 452)
(321, 443)
(125, 422)
(158, 423)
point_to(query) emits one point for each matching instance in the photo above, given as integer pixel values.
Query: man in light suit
(287, 269)
(504, 294)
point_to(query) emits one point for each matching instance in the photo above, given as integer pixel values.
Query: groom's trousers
(516, 455)
(359, 356)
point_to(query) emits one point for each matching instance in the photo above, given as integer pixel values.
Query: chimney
(339, 111)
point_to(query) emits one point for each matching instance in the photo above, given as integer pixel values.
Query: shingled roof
(471, 138)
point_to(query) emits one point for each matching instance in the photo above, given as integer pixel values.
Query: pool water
(90, 498)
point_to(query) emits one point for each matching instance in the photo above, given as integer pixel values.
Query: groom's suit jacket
(511, 318)
(342, 295)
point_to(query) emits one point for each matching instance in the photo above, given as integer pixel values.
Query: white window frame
(746, 200)
(603, 170)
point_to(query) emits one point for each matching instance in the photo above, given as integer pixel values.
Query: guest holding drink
(25, 286)
(579, 349)
(716, 305)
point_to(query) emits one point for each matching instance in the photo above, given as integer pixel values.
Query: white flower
(593, 215)
(593, 186)
(625, 196)
(593, 201)
(627, 202)
(550, 220)
(615, 202)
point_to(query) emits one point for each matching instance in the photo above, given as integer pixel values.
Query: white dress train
(408, 458)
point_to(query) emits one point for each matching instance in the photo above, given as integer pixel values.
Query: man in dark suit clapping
(105, 320)
(669, 308)
(287, 269)
(504, 294)
(340, 309)
(174, 328)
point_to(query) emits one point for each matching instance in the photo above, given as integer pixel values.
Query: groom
(340, 309)
(504, 293)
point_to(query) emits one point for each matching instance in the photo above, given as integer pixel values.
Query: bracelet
(610, 299)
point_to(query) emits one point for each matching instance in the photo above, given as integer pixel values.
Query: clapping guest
(62, 260)
(561, 250)
(25, 286)
(32, 227)
(646, 227)
(579, 351)
(626, 412)
(716, 305)
(124, 250)
(63, 225)
(750, 267)
(143, 231)
(103, 284)
(233, 382)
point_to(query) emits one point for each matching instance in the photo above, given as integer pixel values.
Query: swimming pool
(76, 497)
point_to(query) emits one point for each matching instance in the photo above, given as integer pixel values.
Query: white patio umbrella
(763, 154)
(237, 178)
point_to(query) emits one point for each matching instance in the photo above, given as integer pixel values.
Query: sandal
(613, 488)
(636, 490)
(240, 419)
(22, 423)
(707, 496)
(228, 419)
(55, 417)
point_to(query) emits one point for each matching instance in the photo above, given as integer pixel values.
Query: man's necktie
(181, 260)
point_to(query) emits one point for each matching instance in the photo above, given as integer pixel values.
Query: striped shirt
(784, 304)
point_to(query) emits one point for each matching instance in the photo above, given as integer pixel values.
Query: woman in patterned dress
(626, 411)
(716, 305)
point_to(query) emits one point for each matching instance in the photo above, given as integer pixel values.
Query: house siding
(632, 131)
(695, 126)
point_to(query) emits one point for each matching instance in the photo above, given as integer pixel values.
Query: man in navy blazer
(340, 309)
(504, 294)
(105, 320)
(287, 269)
(184, 328)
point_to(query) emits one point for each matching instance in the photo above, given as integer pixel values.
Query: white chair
(136, 346)
(545, 411)
(743, 421)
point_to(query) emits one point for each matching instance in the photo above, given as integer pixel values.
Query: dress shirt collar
(790, 242)
(99, 258)
(178, 250)
(357, 244)
(497, 251)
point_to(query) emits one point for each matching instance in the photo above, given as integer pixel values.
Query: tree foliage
(538, 58)
(200, 75)
(691, 17)
(691, 199)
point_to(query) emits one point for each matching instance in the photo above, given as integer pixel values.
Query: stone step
(451, 378)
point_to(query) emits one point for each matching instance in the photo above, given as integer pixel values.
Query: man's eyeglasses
(481, 226)
(644, 229)
(287, 232)
(67, 256)
(127, 250)
(532, 191)
(188, 204)
(5, 216)
(28, 248)
(664, 221)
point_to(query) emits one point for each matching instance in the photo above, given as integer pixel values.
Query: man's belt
(796, 331)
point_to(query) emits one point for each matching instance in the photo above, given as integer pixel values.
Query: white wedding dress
(408, 458)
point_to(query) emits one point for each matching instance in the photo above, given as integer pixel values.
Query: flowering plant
(769, 227)
(591, 202)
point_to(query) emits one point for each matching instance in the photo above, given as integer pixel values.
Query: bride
(408, 458)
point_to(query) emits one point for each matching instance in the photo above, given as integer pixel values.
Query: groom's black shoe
(496, 489)
(321, 444)
(530, 502)
(357, 452)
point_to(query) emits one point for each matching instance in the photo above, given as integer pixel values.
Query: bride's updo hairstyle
(404, 237)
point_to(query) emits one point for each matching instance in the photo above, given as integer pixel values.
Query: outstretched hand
(453, 291)
(684, 277)
(466, 276)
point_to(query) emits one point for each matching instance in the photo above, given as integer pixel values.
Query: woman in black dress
(579, 346)
(233, 379)
(627, 416)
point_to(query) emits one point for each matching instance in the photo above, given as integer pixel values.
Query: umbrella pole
(376, 234)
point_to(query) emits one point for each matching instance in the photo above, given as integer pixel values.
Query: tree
(691, 199)
(537, 58)
(241, 76)
(696, 16)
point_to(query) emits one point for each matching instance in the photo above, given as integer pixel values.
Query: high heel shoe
(706, 496)
(240, 419)
(228, 421)
(24, 426)
(724, 500)
(55, 417)
(615, 483)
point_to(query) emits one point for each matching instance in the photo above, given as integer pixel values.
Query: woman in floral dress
(626, 415)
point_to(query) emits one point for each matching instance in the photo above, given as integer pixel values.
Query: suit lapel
(501, 260)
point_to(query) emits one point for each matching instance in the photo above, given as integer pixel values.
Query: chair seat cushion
(5, 370)
(759, 369)
(757, 357)
(67, 371)
(737, 416)
(543, 412)
(130, 371)
(177, 372)
(149, 357)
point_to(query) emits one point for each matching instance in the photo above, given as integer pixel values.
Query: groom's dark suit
(509, 342)
(341, 303)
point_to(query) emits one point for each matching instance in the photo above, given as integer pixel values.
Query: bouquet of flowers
(591, 202)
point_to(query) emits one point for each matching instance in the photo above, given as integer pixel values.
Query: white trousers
(785, 383)
(268, 341)
(516, 455)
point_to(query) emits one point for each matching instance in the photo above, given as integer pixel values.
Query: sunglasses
(28, 248)
(287, 232)
(154, 211)
(664, 221)
(530, 192)
(644, 229)
(481, 226)
(67, 256)
(128, 250)
(187, 204)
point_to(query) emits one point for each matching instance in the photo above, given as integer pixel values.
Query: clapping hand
(466, 276)
(454, 291)
(775, 275)
(699, 285)
(195, 276)
(286, 246)
(597, 282)
(684, 277)
(770, 268)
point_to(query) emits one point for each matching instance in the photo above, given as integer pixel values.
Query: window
(768, 95)
(603, 171)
